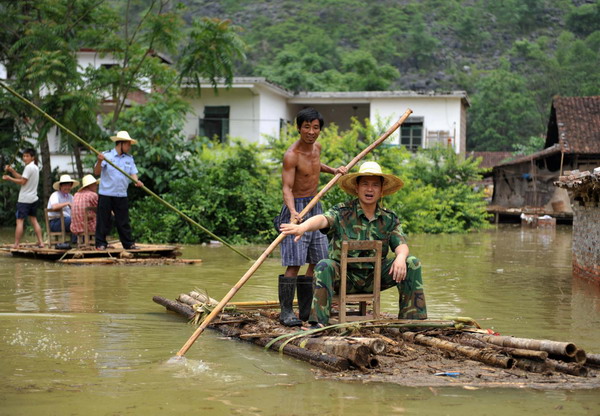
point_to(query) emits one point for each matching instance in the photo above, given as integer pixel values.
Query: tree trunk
(78, 164)
(46, 168)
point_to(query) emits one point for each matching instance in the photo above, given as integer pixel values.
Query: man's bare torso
(307, 163)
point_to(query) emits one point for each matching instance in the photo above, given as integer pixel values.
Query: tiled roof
(491, 159)
(575, 124)
(575, 179)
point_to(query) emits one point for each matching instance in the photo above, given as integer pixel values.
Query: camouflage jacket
(347, 221)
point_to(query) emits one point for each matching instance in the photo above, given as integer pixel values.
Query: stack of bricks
(584, 191)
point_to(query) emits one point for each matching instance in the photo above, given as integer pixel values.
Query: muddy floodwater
(88, 340)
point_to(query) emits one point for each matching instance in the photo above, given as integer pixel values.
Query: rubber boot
(305, 296)
(287, 290)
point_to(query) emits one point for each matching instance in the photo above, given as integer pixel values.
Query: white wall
(439, 113)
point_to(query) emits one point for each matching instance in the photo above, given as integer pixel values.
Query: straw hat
(87, 181)
(64, 179)
(123, 136)
(391, 183)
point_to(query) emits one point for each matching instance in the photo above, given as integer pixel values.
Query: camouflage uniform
(347, 221)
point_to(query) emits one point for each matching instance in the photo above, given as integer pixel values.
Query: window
(411, 134)
(215, 124)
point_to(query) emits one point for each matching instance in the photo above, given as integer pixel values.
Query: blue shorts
(312, 247)
(27, 210)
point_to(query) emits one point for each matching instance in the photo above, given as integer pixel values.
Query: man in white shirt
(61, 200)
(28, 199)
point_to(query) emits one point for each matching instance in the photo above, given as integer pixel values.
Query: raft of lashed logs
(339, 353)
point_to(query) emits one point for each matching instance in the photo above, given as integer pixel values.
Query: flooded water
(88, 340)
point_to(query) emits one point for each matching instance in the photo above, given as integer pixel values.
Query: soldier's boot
(304, 284)
(287, 290)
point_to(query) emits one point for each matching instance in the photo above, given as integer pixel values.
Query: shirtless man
(300, 177)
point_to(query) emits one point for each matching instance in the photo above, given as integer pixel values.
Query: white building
(253, 107)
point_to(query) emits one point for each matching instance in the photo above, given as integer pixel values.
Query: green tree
(503, 112)
(39, 45)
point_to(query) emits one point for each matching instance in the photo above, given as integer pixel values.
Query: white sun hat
(64, 179)
(123, 136)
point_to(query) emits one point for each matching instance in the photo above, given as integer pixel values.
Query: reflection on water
(89, 340)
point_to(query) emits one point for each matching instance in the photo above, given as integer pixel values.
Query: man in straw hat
(363, 219)
(85, 197)
(113, 191)
(300, 178)
(61, 200)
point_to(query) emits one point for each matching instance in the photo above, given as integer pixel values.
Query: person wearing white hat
(113, 191)
(61, 200)
(85, 197)
(364, 219)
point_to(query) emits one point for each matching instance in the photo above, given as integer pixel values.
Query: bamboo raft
(451, 351)
(146, 254)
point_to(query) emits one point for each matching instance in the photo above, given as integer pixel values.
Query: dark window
(411, 135)
(215, 124)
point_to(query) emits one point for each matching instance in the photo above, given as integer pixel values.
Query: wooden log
(188, 300)
(573, 369)
(175, 306)
(532, 365)
(377, 346)
(358, 354)
(593, 359)
(316, 358)
(515, 352)
(552, 347)
(484, 356)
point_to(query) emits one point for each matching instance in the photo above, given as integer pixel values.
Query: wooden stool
(362, 298)
(87, 239)
(59, 236)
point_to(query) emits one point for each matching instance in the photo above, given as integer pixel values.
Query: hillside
(511, 56)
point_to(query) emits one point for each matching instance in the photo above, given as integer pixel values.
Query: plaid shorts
(312, 247)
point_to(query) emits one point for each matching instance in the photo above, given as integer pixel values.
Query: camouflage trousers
(327, 282)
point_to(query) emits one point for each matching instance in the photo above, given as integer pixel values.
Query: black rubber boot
(305, 296)
(287, 290)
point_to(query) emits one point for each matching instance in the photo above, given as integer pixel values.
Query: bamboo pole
(472, 353)
(281, 236)
(552, 347)
(148, 191)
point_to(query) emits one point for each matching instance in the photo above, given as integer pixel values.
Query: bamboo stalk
(552, 347)
(357, 354)
(533, 365)
(148, 191)
(515, 352)
(281, 236)
(470, 352)
(318, 359)
(573, 369)
(593, 359)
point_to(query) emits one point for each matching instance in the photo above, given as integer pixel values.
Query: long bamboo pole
(281, 236)
(86, 144)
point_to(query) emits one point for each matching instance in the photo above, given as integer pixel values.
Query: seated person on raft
(364, 219)
(61, 200)
(85, 197)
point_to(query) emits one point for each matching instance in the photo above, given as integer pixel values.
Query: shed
(526, 184)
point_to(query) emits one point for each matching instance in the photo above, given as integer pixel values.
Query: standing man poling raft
(364, 219)
(300, 179)
(112, 195)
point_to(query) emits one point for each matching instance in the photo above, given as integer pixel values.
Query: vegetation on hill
(511, 56)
